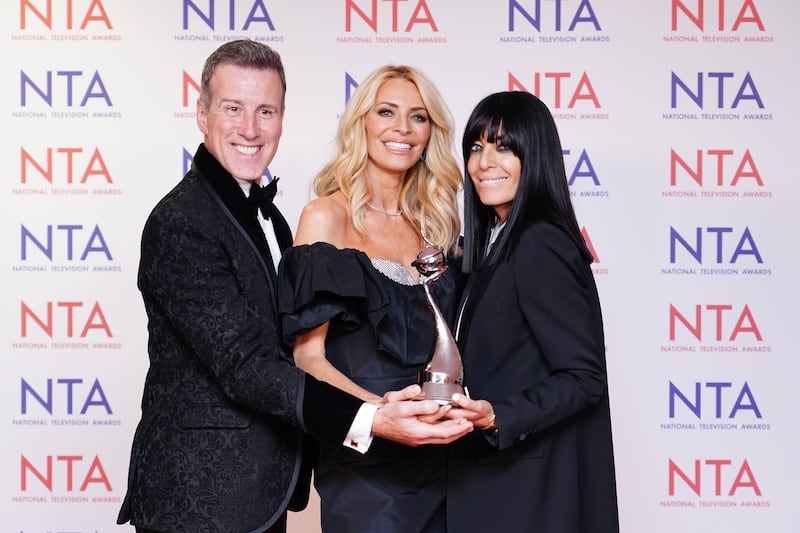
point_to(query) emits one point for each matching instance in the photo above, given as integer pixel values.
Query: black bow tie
(261, 197)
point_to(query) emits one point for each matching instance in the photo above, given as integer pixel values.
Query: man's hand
(404, 420)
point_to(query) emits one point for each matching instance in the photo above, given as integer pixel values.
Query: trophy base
(441, 393)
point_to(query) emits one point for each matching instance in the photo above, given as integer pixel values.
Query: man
(219, 448)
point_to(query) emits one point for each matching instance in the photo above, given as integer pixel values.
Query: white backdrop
(678, 120)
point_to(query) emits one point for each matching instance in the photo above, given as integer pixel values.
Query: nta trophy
(444, 374)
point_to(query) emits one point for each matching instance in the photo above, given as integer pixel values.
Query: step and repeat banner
(679, 123)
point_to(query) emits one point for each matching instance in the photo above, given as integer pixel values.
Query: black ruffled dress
(381, 334)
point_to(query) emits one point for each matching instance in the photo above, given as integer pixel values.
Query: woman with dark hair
(531, 335)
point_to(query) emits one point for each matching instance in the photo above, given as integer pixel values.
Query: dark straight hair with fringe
(524, 124)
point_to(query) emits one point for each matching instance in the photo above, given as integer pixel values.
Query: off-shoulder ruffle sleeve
(319, 283)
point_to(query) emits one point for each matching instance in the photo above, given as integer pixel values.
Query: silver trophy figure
(444, 374)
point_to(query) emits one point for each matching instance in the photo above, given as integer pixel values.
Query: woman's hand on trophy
(414, 392)
(479, 412)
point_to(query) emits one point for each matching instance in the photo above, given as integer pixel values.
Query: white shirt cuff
(359, 437)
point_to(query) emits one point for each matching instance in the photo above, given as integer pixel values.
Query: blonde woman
(351, 302)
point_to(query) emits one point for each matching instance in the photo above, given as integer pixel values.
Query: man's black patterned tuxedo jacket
(219, 445)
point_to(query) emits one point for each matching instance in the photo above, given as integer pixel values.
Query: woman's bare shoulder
(323, 219)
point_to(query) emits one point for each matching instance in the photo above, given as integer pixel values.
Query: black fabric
(381, 334)
(234, 199)
(262, 197)
(389, 322)
(279, 526)
(532, 344)
(218, 448)
(231, 194)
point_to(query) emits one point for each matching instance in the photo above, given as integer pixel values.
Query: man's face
(244, 120)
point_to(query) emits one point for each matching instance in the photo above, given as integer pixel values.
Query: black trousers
(278, 527)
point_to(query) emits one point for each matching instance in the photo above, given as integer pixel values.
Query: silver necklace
(383, 211)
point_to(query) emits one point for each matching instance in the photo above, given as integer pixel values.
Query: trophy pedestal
(439, 386)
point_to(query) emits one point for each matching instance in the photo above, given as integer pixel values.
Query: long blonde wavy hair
(429, 197)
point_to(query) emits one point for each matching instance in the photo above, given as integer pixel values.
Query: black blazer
(218, 447)
(532, 344)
